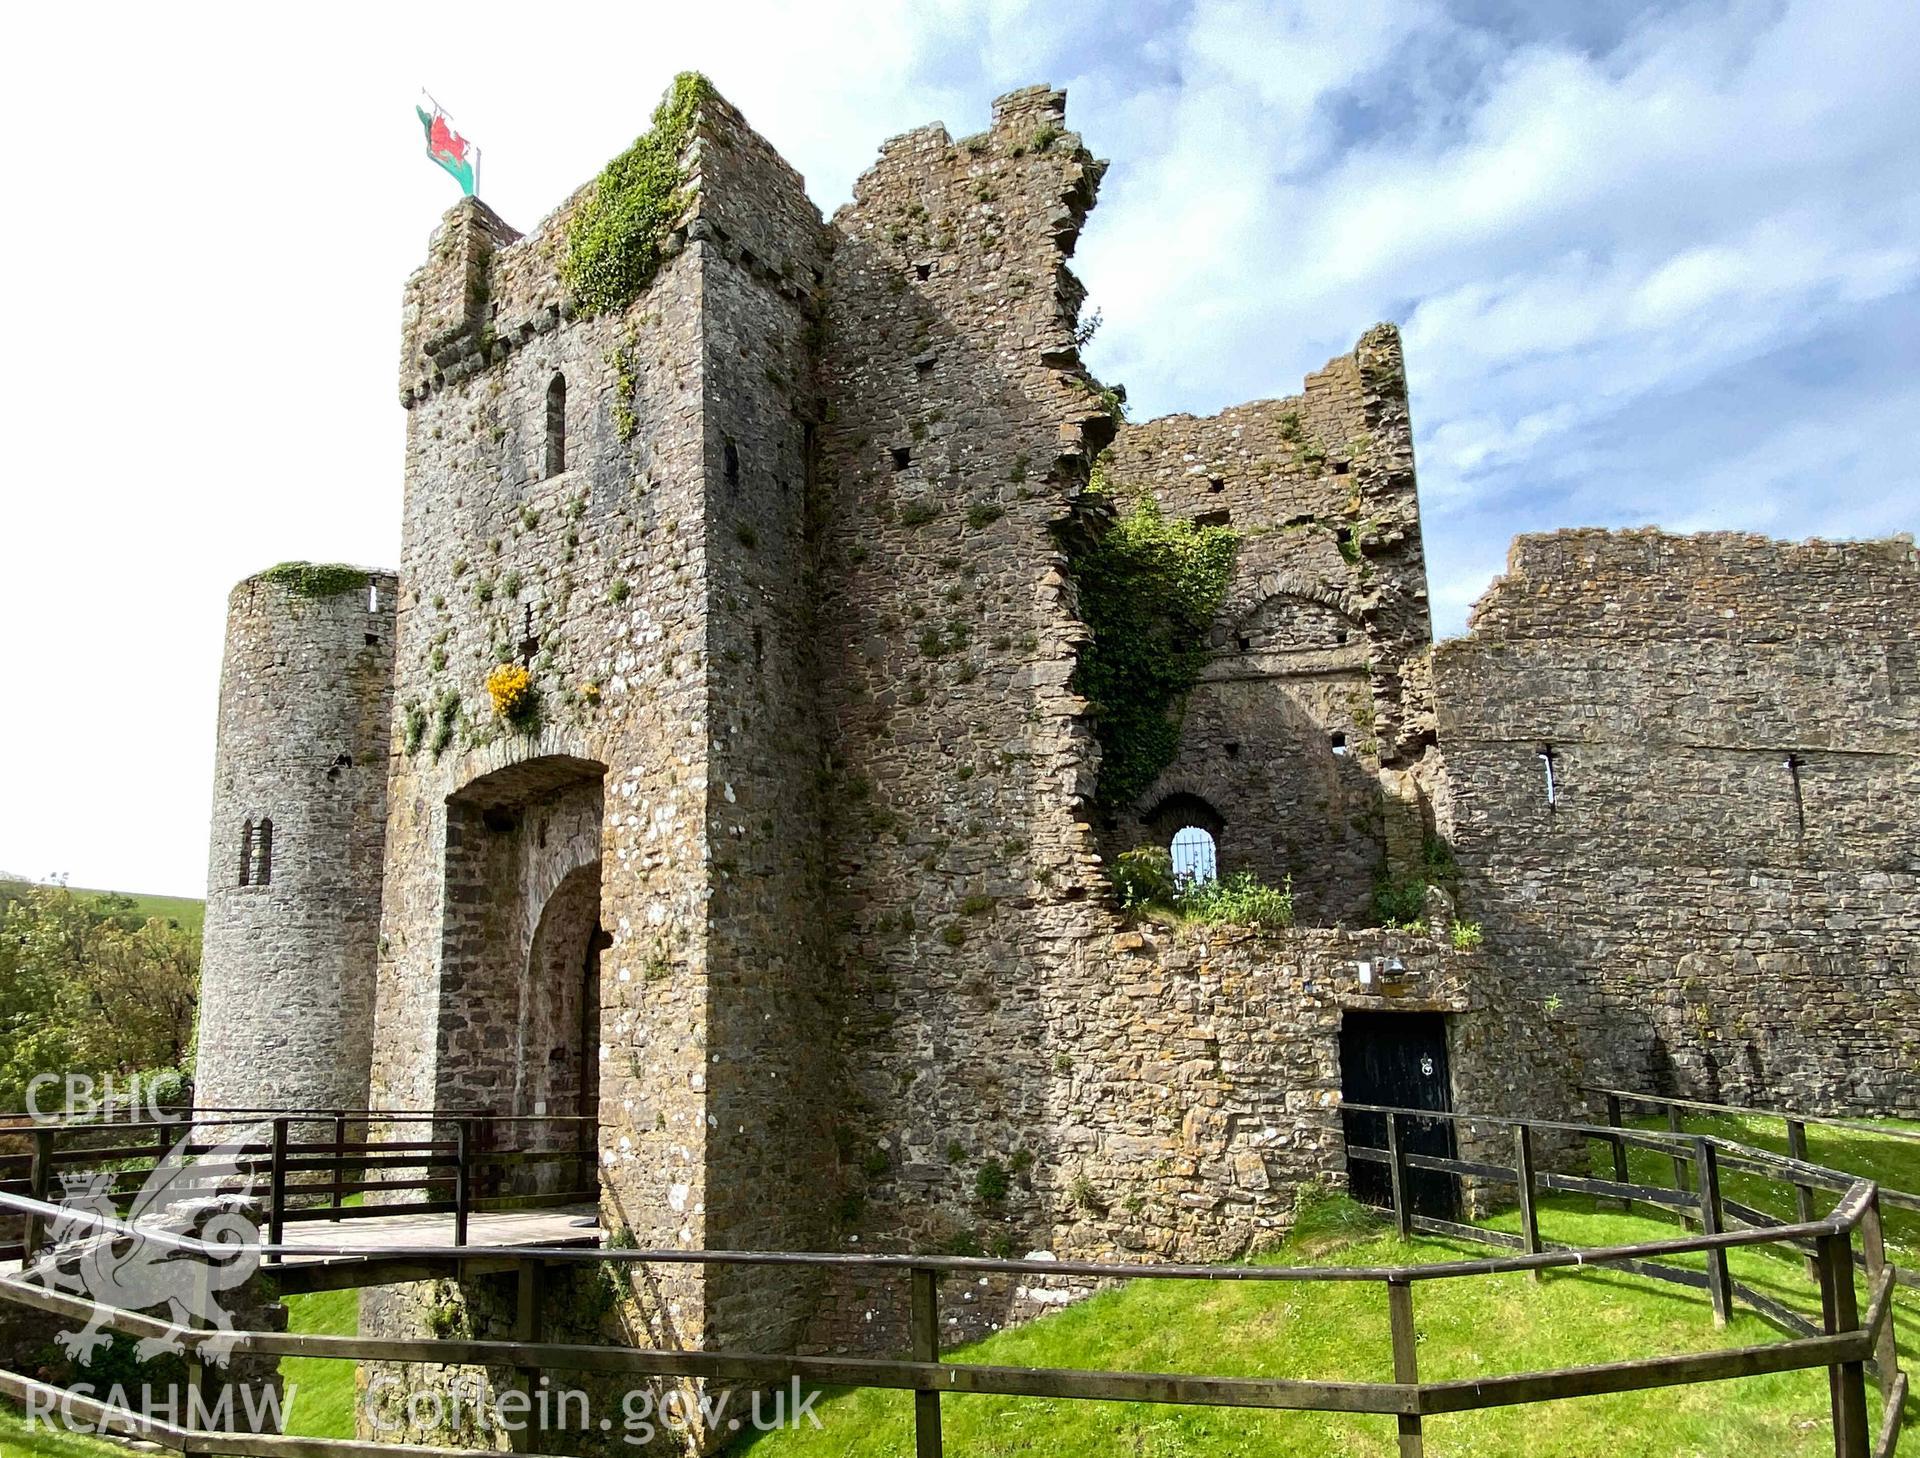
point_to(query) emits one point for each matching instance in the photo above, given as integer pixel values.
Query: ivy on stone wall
(614, 241)
(1149, 587)
(316, 579)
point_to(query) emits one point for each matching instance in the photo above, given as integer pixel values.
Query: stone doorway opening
(519, 1027)
(1398, 1060)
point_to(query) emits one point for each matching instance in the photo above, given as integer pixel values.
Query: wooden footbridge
(452, 1201)
(343, 1197)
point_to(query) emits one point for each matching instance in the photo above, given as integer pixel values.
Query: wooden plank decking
(311, 1265)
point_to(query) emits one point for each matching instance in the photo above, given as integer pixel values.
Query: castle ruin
(790, 867)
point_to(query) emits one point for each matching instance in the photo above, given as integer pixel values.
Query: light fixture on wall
(1379, 968)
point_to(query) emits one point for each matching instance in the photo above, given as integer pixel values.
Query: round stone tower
(298, 836)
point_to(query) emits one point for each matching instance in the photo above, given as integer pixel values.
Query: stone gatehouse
(789, 865)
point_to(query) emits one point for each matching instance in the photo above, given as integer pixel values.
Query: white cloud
(1644, 274)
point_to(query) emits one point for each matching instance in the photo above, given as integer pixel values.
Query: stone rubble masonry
(287, 988)
(962, 867)
(1327, 607)
(796, 879)
(1708, 930)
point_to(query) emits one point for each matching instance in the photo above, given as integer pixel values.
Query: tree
(86, 987)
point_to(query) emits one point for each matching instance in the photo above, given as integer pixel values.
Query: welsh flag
(446, 146)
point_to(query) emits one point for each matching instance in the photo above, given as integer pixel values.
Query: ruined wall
(1715, 920)
(810, 774)
(1304, 700)
(1205, 1089)
(770, 1024)
(1023, 1072)
(287, 979)
(960, 864)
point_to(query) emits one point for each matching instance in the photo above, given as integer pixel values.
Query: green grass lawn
(188, 911)
(320, 1391)
(1468, 1327)
(1895, 1163)
(320, 1404)
(41, 1442)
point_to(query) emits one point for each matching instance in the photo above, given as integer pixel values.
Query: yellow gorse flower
(511, 688)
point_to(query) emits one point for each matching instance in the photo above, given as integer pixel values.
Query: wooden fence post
(1873, 1246)
(1406, 1361)
(1706, 1174)
(1840, 1312)
(1802, 1194)
(529, 1299)
(339, 1159)
(1524, 1178)
(1397, 1161)
(926, 1348)
(1620, 1168)
(462, 1179)
(277, 1187)
(200, 1378)
(39, 1179)
(1675, 1126)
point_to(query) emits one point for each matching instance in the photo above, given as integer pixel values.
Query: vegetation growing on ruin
(1149, 587)
(1143, 879)
(316, 579)
(1401, 901)
(446, 717)
(415, 720)
(511, 688)
(617, 238)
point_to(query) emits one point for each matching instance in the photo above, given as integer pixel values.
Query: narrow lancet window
(557, 425)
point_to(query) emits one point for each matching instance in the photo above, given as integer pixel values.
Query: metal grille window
(1194, 856)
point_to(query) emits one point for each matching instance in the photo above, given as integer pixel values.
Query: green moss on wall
(1149, 588)
(316, 579)
(615, 240)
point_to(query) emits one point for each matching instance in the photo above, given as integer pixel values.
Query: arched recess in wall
(557, 1070)
(520, 940)
(1294, 621)
(1189, 828)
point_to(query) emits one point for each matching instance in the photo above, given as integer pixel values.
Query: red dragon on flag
(446, 146)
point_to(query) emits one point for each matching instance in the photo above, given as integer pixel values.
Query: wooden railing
(1848, 1342)
(309, 1163)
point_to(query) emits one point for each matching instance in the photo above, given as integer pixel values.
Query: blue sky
(1654, 264)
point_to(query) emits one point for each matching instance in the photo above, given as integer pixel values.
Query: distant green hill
(190, 913)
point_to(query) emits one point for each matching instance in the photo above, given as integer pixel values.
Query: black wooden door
(1399, 1060)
